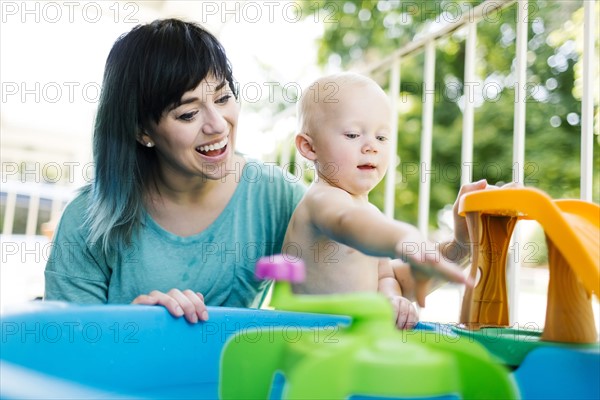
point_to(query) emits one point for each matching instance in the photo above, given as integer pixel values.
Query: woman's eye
(223, 99)
(188, 116)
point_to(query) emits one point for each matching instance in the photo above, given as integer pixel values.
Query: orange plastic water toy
(572, 229)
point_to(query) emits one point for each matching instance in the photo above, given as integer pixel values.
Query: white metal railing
(514, 264)
(466, 174)
(587, 107)
(33, 192)
(426, 43)
(390, 183)
(520, 94)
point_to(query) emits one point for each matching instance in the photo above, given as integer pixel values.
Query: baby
(345, 241)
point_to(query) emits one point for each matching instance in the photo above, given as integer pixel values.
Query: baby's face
(351, 137)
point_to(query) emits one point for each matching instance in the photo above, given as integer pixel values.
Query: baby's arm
(359, 225)
(405, 314)
(362, 226)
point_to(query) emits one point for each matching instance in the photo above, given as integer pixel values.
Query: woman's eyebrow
(188, 101)
(182, 102)
(221, 85)
(193, 99)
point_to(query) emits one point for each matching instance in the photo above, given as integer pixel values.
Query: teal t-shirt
(218, 262)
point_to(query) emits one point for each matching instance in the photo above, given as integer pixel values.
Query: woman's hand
(461, 233)
(178, 303)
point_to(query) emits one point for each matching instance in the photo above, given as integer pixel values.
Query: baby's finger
(435, 265)
(450, 272)
(413, 317)
(402, 315)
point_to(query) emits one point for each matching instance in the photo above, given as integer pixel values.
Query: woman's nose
(214, 123)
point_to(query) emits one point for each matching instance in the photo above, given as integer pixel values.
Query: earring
(149, 144)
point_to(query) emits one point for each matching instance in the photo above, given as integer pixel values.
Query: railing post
(466, 172)
(514, 261)
(56, 208)
(587, 102)
(32, 214)
(426, 137)
(9, 212)
(390, 180)
(520, 93)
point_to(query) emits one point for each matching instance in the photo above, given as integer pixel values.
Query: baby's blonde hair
(325, 90)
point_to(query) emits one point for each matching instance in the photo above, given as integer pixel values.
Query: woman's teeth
(213, 147)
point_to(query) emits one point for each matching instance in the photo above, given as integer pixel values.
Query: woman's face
(196, 137)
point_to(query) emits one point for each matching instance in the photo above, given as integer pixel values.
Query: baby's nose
(369, 147)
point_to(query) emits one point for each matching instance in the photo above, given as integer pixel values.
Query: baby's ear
(304, 145)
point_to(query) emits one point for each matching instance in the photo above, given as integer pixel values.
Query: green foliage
(362, 32)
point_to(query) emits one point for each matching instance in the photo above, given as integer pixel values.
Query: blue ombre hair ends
(147, 70)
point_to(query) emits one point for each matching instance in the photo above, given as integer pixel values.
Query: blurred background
(52, 59)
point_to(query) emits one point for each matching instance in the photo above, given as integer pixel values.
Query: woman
(172, 205)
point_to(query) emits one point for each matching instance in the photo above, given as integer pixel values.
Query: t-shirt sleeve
(75, 272)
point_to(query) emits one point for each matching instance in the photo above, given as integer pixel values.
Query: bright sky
(53, 55)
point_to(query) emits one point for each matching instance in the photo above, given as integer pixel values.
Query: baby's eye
(382, 138)
(351, 135)
(188, 116)
(223, 99)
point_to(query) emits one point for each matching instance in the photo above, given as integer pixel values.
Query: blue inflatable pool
(64, 351)
(59, 351)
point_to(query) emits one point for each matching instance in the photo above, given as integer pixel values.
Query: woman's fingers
(145, 300)
(197, 301)
(178, 303)
(168, 301)
(467, 188)
(193, 307)
(461, 233)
